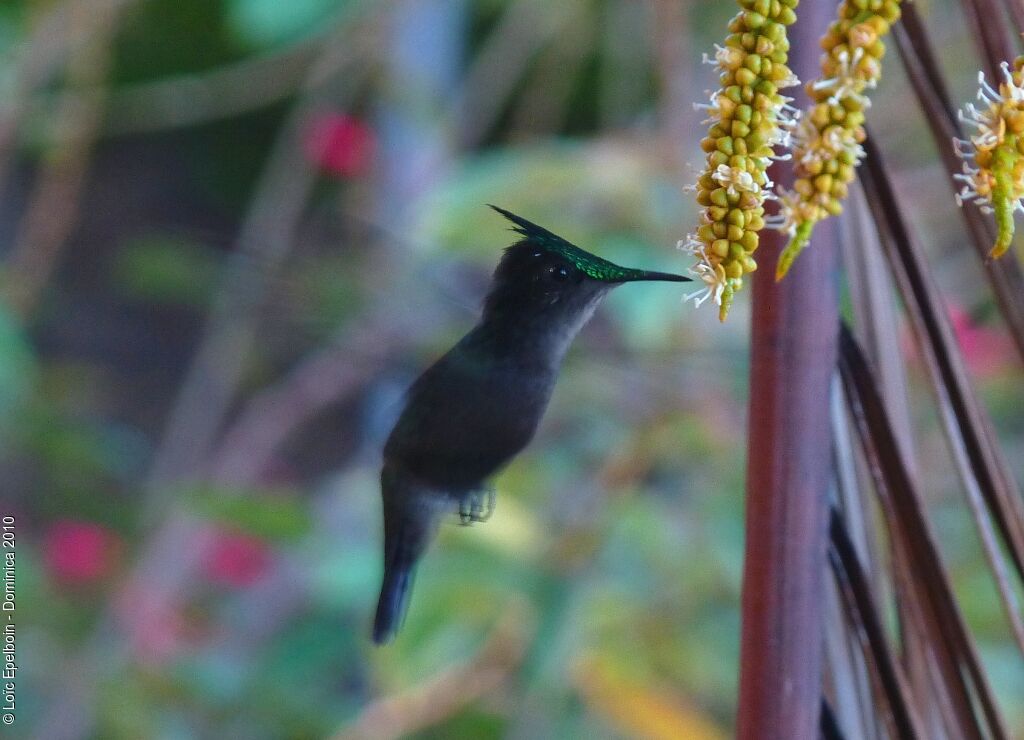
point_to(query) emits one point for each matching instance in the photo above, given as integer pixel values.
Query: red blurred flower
(986, 350)
(339, 144)
(236, 559)
(79, 552)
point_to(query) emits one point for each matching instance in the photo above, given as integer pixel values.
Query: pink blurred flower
(236, 559)
(78, 553)
(155, 632)
(339, 144)
(986, 350)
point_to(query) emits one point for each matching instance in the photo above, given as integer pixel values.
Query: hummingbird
(479, 405)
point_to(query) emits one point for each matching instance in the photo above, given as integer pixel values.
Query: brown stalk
(846, 682)
(879, 325)
(887, 675)
(930, 693)
(982, 468)
(876, 313)
(52, 211)
(910, 532)
(846, 666)
(934, 680)
(1016, 10)
(789, 467)
(922, 69)
(991, 33)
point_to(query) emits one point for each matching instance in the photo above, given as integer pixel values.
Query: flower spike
(747, 117)
(827, 141)
(993, 156)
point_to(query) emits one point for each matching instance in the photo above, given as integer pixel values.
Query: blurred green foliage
(270, 517)
(160, 269)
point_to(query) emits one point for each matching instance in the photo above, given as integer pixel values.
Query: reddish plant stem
(793, 355)
(1016, 10)
(991, 33)
(793, 351)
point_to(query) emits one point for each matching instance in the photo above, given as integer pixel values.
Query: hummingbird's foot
(477, 506)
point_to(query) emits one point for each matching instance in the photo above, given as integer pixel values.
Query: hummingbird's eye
(558, 273)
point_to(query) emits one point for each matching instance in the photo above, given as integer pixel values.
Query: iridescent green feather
(590, 264)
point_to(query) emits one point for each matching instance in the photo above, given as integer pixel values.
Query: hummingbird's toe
(466, 516)
(477, 506)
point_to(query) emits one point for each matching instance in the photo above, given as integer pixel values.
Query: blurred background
(233, 231)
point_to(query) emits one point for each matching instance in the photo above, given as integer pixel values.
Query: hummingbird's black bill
(634, 276)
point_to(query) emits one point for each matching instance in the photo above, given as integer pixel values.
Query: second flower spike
(827, 140)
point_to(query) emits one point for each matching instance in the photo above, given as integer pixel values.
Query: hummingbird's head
(544, 272)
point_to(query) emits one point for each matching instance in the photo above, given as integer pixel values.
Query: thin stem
(979, 461)
(912, 537)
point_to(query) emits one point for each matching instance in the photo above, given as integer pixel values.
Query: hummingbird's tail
(394, 598)
(411, 516)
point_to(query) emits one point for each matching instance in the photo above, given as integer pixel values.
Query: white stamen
(847, 84)
(986, 92)
(712, 277)
(734, 180)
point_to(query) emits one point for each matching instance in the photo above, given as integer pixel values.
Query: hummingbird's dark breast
(467, 416)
